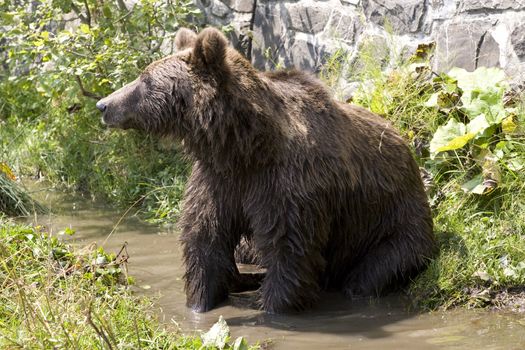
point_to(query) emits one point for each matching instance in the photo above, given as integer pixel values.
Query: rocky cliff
(305, 33)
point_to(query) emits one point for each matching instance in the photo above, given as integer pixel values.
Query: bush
(13, 200)
(59, 56)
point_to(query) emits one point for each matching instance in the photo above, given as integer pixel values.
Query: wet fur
(324, 195)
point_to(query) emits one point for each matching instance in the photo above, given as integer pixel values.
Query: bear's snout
(119, 108)
(101, 106)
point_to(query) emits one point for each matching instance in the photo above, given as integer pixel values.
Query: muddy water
(336, 323)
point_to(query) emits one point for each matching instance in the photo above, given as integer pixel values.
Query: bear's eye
(146, 80)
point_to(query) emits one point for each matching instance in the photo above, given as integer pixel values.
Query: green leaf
(432, 101)
(508, 125)
(516, 164)
(483, 92)
(450, 137)
(482, 275)
(240, 344)
(106, 10)
(217, 336)
(477, 125)
(489, 103)
(475, 185)
(84, 28)
(482, 79)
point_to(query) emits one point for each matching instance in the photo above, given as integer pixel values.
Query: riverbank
(55, 295)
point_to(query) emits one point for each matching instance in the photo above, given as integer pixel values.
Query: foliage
(55, 296)
(58, 56)
(480, 124)
(467, 132)
(219, 336)
(13, 200)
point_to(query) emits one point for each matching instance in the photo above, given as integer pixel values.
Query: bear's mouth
(115, 121)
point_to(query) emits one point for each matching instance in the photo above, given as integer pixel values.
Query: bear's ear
(210, 48)
(184, 39)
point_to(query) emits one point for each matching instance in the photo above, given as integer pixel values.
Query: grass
(13, 200)
(53, 296)
(73, 151)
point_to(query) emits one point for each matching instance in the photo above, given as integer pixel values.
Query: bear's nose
(101, 106)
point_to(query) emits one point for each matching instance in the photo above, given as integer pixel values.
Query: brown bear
(326, 193)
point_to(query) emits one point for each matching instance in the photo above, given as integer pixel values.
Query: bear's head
(163, 97)
(208, 96)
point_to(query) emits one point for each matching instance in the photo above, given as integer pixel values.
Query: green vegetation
(57, 58)
(13, 200)
(468, 134)
(55, 297)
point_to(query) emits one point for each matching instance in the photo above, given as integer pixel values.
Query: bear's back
(354, 140)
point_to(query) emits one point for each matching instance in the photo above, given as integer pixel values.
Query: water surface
(336, 323)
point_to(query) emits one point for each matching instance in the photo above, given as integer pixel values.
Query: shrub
(59, 56)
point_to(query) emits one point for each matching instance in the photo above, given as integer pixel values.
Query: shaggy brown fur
(327, 193)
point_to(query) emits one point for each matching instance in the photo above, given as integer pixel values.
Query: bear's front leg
(208, 240)
(209, 272)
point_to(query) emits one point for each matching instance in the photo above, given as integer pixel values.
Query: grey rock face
(269, 34)
(518, 41)
(474, 5)
(373, 48)
(307, 54)
(311, 18)
(240, 5)
(344, 25)
(405, 16)
(219, 9)
(467, 45)
(351, 2)
(304, 33)
(489, 52)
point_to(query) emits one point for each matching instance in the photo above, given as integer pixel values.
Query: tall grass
(53, 296)
(74, 152)
(14, 201)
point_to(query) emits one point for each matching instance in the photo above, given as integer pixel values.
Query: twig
(97, 330)
(137, 332)
(85, 92)
(88, 13)
(124, 248)
(123, 17)
(122, 5)
(82, 18)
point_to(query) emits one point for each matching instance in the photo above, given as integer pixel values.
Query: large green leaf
(489, 103)
(482, 79)
(483, 92)
(454, 135)
(477, 125)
